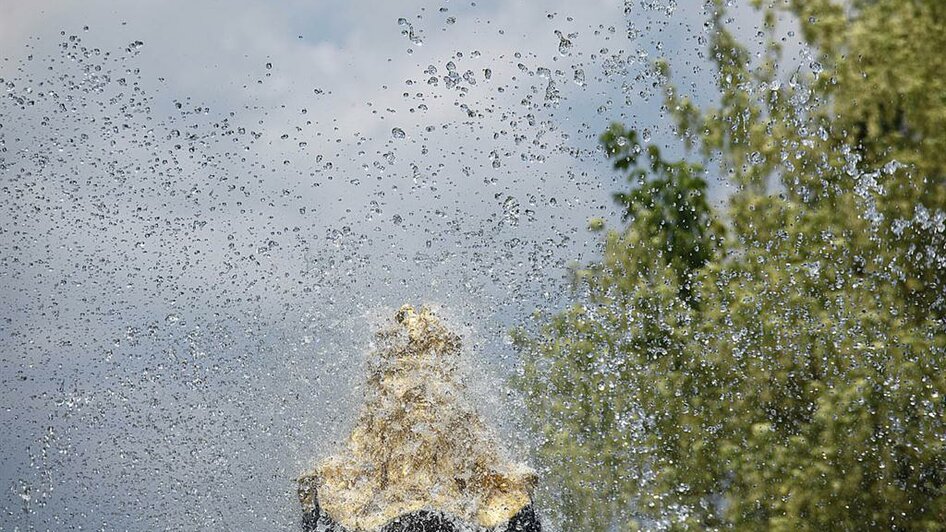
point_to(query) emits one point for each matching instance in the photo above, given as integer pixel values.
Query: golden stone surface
(417, 444)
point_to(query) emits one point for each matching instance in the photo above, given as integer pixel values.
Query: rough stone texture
(418, 452)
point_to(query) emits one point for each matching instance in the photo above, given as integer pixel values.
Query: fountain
(419, 457)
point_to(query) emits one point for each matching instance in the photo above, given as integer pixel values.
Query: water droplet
(564, 44)
(579, 77)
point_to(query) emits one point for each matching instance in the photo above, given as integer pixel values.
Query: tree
(668, 206)
(790, 376)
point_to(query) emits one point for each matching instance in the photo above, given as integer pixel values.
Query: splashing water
(418, 443)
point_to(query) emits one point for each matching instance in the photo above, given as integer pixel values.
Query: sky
(207, 207)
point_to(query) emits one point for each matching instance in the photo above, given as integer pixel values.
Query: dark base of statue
(314, 520)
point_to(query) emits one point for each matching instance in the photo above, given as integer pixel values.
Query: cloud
(194, 229)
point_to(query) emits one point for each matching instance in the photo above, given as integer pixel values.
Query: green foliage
(668, 206)
(791, 376)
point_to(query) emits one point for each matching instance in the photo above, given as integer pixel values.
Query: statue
(419, 457)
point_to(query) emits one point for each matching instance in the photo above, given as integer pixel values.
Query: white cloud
(172, 288)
